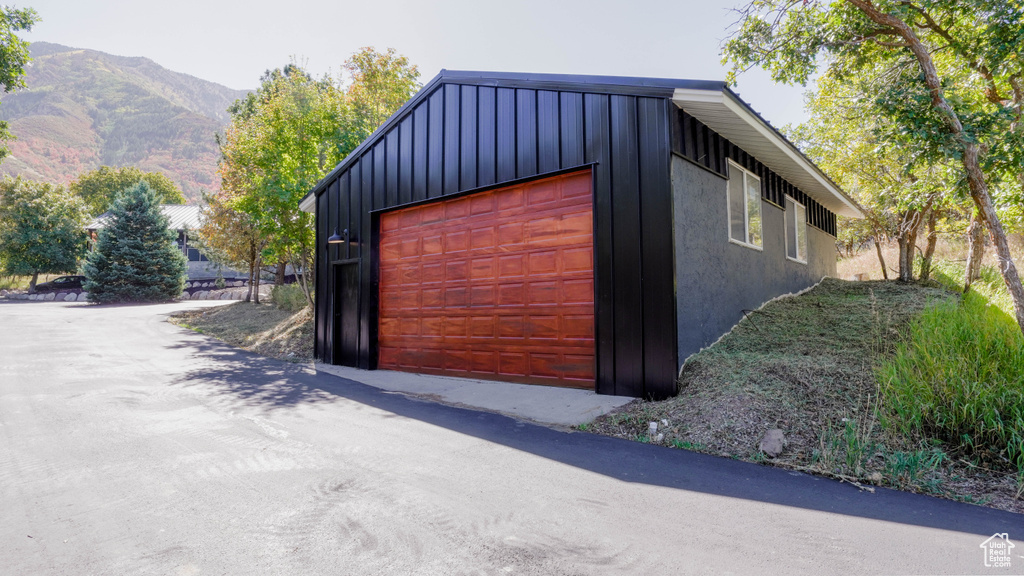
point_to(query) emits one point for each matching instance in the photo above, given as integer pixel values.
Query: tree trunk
(975, 252)
(979, 192)
(305, 284)
(300, 262)
(248, 294)
(907, 240)
(881, 259)
(929, 251)
(256, 281)
(971, 162)
(32, 283)
(279, 273)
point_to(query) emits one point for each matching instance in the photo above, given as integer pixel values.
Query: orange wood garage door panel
(495, 285)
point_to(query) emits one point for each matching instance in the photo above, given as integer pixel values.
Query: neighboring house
(581, 231)
(182, 218)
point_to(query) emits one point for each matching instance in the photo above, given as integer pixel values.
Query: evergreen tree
(136, 258)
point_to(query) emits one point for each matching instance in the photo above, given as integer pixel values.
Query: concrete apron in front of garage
(541, 404)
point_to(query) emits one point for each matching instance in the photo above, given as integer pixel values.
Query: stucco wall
(717, 279)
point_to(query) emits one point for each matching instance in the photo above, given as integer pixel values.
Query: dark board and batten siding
(696, 142)
(463, 137)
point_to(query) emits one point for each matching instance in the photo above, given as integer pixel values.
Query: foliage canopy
(285, 137)
(42, 229)
(948, 79)
(13, 57)
(229, 236)
(98, 188)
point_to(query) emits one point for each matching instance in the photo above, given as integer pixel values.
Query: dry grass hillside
(811, 366)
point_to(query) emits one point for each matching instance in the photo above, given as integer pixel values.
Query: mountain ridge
(84, 108)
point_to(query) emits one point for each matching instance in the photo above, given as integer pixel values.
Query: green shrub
(288, 297)
(959, 375)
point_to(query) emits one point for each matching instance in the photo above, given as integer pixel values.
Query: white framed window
(744, 207)
(796, 231)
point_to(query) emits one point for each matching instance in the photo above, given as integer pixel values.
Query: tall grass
(958, 376)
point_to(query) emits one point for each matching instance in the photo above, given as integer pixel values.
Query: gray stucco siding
(717, 279)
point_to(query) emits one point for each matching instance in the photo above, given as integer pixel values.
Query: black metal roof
(582, 82)
(625, 85)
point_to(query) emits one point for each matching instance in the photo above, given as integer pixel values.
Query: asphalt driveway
(131, 446)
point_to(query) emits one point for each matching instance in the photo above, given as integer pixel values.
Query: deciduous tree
(275, 150)
(957, 79)
(99, 187)
(381, 83)
(900, 191)
(42, 229)
(284, 138)
(230, 237)
(13, 57)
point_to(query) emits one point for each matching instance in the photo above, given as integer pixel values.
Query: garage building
(582, 231)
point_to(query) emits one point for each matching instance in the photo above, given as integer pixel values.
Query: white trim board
(725, 115)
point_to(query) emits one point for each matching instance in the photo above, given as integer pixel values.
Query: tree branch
(971, 151)
(931, 74)
(892, 44)
(991, 91)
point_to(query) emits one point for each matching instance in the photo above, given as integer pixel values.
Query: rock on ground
(773, 443)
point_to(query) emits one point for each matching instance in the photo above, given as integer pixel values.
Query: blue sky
(232, 42)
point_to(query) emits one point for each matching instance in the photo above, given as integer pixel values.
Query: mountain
(84, 109)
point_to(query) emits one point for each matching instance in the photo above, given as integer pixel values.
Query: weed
(683, 445)
(584, 427)
(849, 449)
(970, 499)
(914, 468)
(624, 419)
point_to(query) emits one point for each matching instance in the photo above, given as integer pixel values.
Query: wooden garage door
(496, 285)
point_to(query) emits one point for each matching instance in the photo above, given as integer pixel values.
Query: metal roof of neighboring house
(181, 216)
(711, 102)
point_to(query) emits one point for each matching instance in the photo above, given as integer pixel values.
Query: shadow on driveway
(264, 383)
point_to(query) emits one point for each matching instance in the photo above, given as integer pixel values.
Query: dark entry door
(346, 314)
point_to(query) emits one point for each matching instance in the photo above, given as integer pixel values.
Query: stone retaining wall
(212, 284)
(198, 293)
(45, 296)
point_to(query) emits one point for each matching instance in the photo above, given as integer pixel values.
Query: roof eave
(660, 87)
(726, 114)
